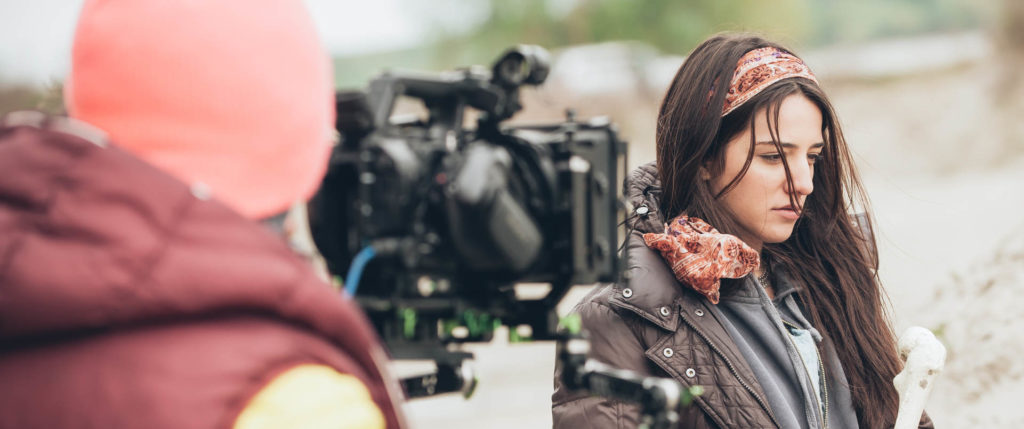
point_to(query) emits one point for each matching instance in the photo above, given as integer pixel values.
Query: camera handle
(658, 397)
(455, 374)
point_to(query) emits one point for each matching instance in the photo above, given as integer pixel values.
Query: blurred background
(929, 92)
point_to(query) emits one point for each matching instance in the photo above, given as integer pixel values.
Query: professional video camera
(435, 223)
(456, 216)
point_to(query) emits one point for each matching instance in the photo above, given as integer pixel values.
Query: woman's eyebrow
(787, 145)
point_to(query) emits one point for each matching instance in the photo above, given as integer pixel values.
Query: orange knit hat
(237, 95)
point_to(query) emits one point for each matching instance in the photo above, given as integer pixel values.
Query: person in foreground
(746, 273)
(137, 287)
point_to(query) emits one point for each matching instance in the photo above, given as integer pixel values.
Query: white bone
(923, 356)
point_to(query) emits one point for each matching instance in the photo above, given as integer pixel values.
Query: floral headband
(757, 70)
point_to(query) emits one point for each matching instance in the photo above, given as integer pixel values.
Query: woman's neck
(763, 274)
(751, 241)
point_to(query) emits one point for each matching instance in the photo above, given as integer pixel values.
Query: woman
(746, 275)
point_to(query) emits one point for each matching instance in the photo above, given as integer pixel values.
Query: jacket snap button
(627, 292)
(690, 372)
(699, 312)
(667, 352)
(664, 311)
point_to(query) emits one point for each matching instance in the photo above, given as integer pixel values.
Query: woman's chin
(777, 236)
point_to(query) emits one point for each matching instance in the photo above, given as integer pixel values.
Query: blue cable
(355, 271)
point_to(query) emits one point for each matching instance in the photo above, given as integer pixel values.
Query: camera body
(450, 218)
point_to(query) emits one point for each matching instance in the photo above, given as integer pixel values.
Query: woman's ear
(704, 173)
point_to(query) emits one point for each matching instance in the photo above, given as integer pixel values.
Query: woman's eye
(771, 157)
(813, 158)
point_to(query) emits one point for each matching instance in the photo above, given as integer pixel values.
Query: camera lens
(512, 70)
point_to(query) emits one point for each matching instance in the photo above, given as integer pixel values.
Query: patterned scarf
(700, 256)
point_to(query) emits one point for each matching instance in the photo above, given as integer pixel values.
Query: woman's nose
(803, 178)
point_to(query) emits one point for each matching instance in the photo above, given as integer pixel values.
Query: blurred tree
(1009, 94)
(23, 97)
(1009, 37)
(670, 25)
(677, 25)
(475, 31)
(849, 21)
(14, 98)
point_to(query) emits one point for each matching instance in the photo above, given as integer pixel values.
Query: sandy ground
(979, 319)
(946, 191)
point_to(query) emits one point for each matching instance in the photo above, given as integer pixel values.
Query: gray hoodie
(770, 334)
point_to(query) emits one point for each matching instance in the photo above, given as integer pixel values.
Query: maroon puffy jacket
(128, 301)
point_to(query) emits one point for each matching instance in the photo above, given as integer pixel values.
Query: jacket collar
(650, 290)
(642, 190)
(648, 285)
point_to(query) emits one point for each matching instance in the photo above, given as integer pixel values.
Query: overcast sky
(35, 35)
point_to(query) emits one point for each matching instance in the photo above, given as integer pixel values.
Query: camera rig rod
(455, 372)
(451, 377)
(658, 397)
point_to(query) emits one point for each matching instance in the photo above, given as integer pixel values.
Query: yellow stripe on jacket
(313, 397)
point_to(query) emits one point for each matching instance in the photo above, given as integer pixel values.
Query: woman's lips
(789, 213)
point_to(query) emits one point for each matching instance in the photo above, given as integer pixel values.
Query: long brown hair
(831, 259)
